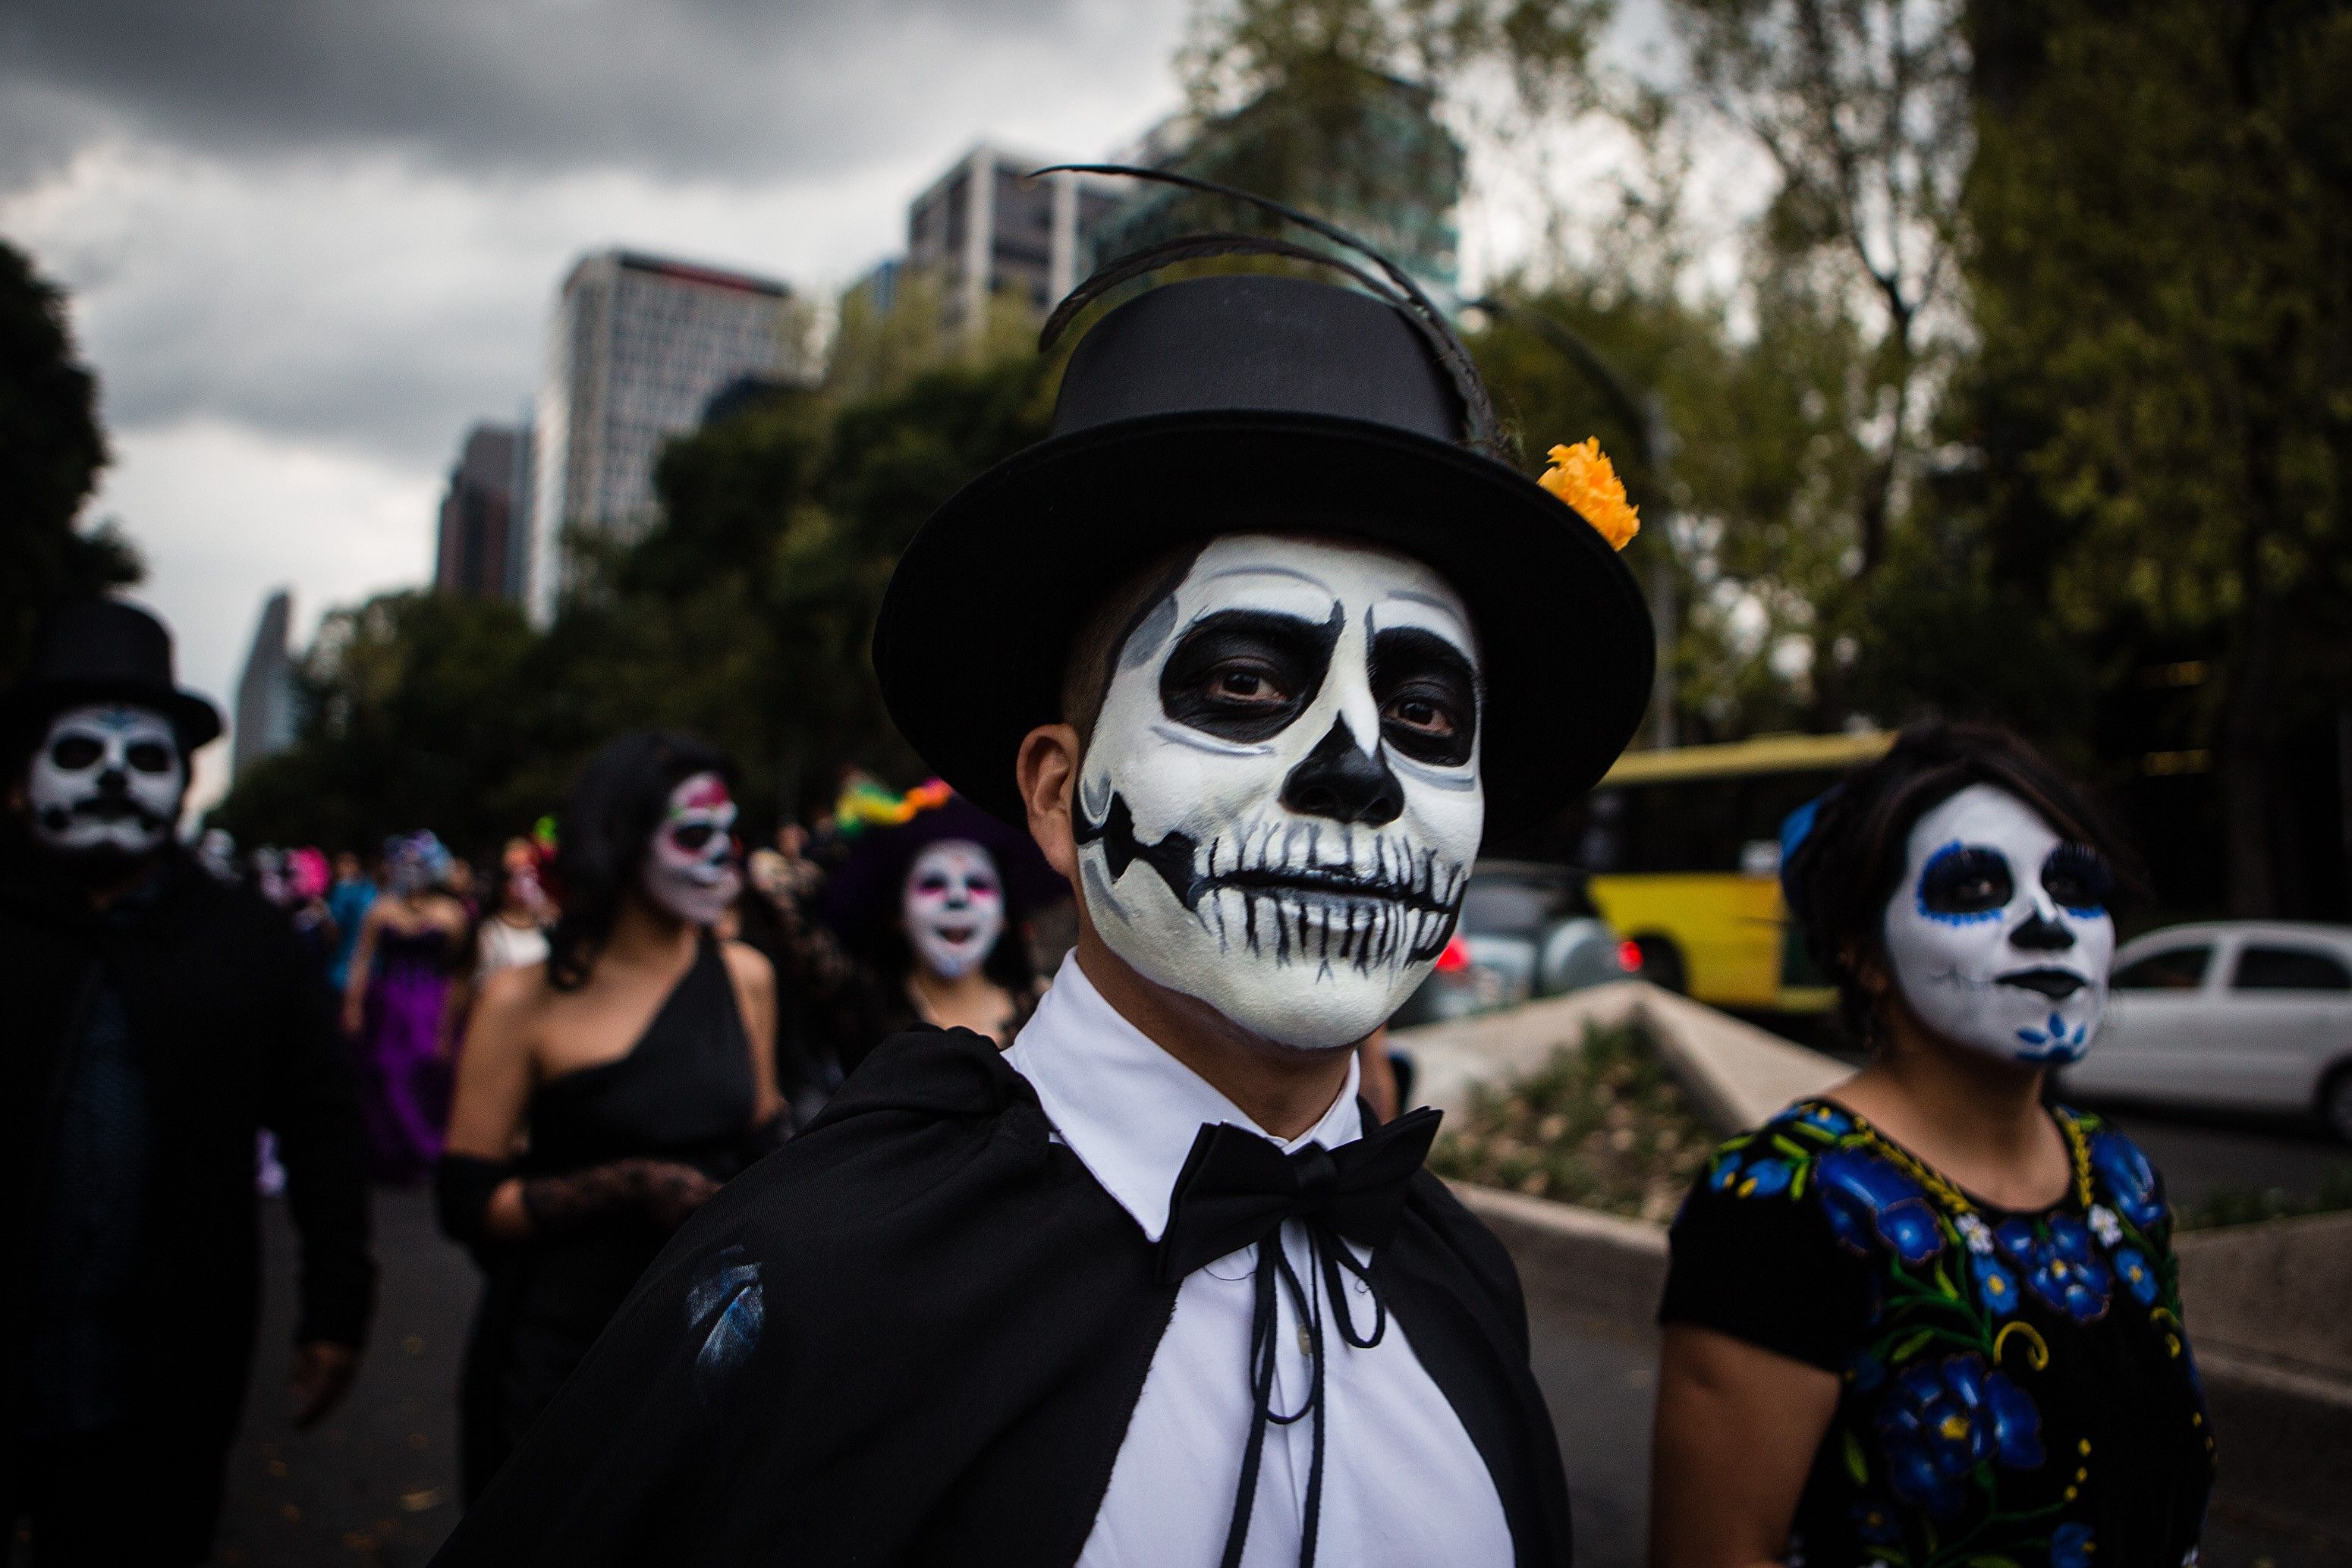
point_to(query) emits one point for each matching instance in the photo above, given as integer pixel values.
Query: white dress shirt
(1402, 1484)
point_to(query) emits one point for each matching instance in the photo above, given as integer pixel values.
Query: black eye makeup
(150, 757)
(2077, 878)
(76, 752)
(693, 836)
(1428, 695)
(1245, 674)
(1965, 882)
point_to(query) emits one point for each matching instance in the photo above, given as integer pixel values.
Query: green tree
(51, 450)
(2162, 206)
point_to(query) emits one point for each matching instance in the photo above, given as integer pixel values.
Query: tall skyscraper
(484, 541)
(265, 692)
(640, 346)
(982, 228)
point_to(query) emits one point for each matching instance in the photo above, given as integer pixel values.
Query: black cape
(915, 1335)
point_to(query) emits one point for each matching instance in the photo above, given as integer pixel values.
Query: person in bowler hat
(1254, 645)
(152, 1019)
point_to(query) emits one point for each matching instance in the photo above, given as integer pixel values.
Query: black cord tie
(1236, 1191)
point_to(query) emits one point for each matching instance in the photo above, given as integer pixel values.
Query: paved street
(377, 1485)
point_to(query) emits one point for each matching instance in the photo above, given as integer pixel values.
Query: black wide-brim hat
(103, 650)
(1246, 405)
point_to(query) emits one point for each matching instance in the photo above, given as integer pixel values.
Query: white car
(2238, 1014)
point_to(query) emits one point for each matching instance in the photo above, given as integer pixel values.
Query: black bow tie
(1236, 1190)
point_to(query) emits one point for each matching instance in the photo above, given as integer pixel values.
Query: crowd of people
(870, 1197)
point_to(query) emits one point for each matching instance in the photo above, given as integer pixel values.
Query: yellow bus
(1684, 848)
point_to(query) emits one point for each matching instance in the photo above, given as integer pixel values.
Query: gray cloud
(701, 87)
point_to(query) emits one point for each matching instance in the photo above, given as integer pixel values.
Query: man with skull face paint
(1926, 1318)
(157, 1019)
(1284, 637)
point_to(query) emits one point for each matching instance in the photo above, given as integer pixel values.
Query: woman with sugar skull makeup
(1274, 636)
(935, 908)
(155, 1020)
(1928, 1318)
(397, 1006)
(607, 1091)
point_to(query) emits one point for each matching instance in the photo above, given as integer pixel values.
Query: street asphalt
(376, 1485)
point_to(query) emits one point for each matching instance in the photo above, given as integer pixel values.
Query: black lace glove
(665, 1193)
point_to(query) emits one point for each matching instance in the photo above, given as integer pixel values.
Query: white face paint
(953, 907)
(107, 779)
(691, 869)
(2000, 935)
(1280, 803)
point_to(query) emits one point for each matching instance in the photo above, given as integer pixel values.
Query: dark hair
(1840, 875)
(601, 836)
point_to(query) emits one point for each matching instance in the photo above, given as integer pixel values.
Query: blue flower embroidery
(1766, 1178)
(2061, 1268)
(1995, 1285)
(2128, 1176)
(2070, 1545)
(1942, 1420)
(1873, 1526)
(1826, 1118)
(1726, 1172)
(1862, 1195)
(2137, 1277)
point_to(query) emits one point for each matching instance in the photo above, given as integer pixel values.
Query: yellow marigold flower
(1582, 477)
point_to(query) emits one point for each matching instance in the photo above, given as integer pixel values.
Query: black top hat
(1236, 403)
(101, 650)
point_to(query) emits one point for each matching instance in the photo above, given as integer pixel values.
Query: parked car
(1527, 930)
(2237, 1014)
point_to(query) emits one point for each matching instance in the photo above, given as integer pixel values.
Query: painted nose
(2042, 935)
(1340, 782)
(114, 782)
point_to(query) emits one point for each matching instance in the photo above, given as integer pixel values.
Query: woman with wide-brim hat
(1271, 632)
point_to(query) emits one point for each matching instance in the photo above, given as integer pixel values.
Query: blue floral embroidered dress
(2018, 1389)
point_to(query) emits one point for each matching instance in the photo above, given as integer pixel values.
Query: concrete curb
(1736, 1075)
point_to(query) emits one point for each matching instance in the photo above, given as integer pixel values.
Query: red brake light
(1456, 957)
(1629, 956)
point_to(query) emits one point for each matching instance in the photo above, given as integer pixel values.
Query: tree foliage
(51, 450)
(743, 617)
(2162, 212)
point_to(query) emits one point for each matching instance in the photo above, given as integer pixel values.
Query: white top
(1402, 1484)
(506, 947)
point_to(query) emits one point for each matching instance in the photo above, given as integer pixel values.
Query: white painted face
(690, 868)
(2000, 935)
(1280, 802)
(107, 779)
(953, 907)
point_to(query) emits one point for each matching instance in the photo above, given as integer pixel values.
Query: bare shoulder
(748, 967)
(503, 1008)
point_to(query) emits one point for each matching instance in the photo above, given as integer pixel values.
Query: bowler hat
(1259, 404)
(103, 650)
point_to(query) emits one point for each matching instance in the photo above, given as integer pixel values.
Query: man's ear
(1048, 771)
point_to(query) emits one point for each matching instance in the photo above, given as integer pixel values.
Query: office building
(638, 349)
(485, 536)
(266, 707)
(985, 229)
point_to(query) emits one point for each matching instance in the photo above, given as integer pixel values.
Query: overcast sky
(309, 241)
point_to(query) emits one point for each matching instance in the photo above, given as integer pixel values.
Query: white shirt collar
(1127, 1108)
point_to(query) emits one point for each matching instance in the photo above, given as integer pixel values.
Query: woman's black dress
(2017, 1386)
(683, 1093)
